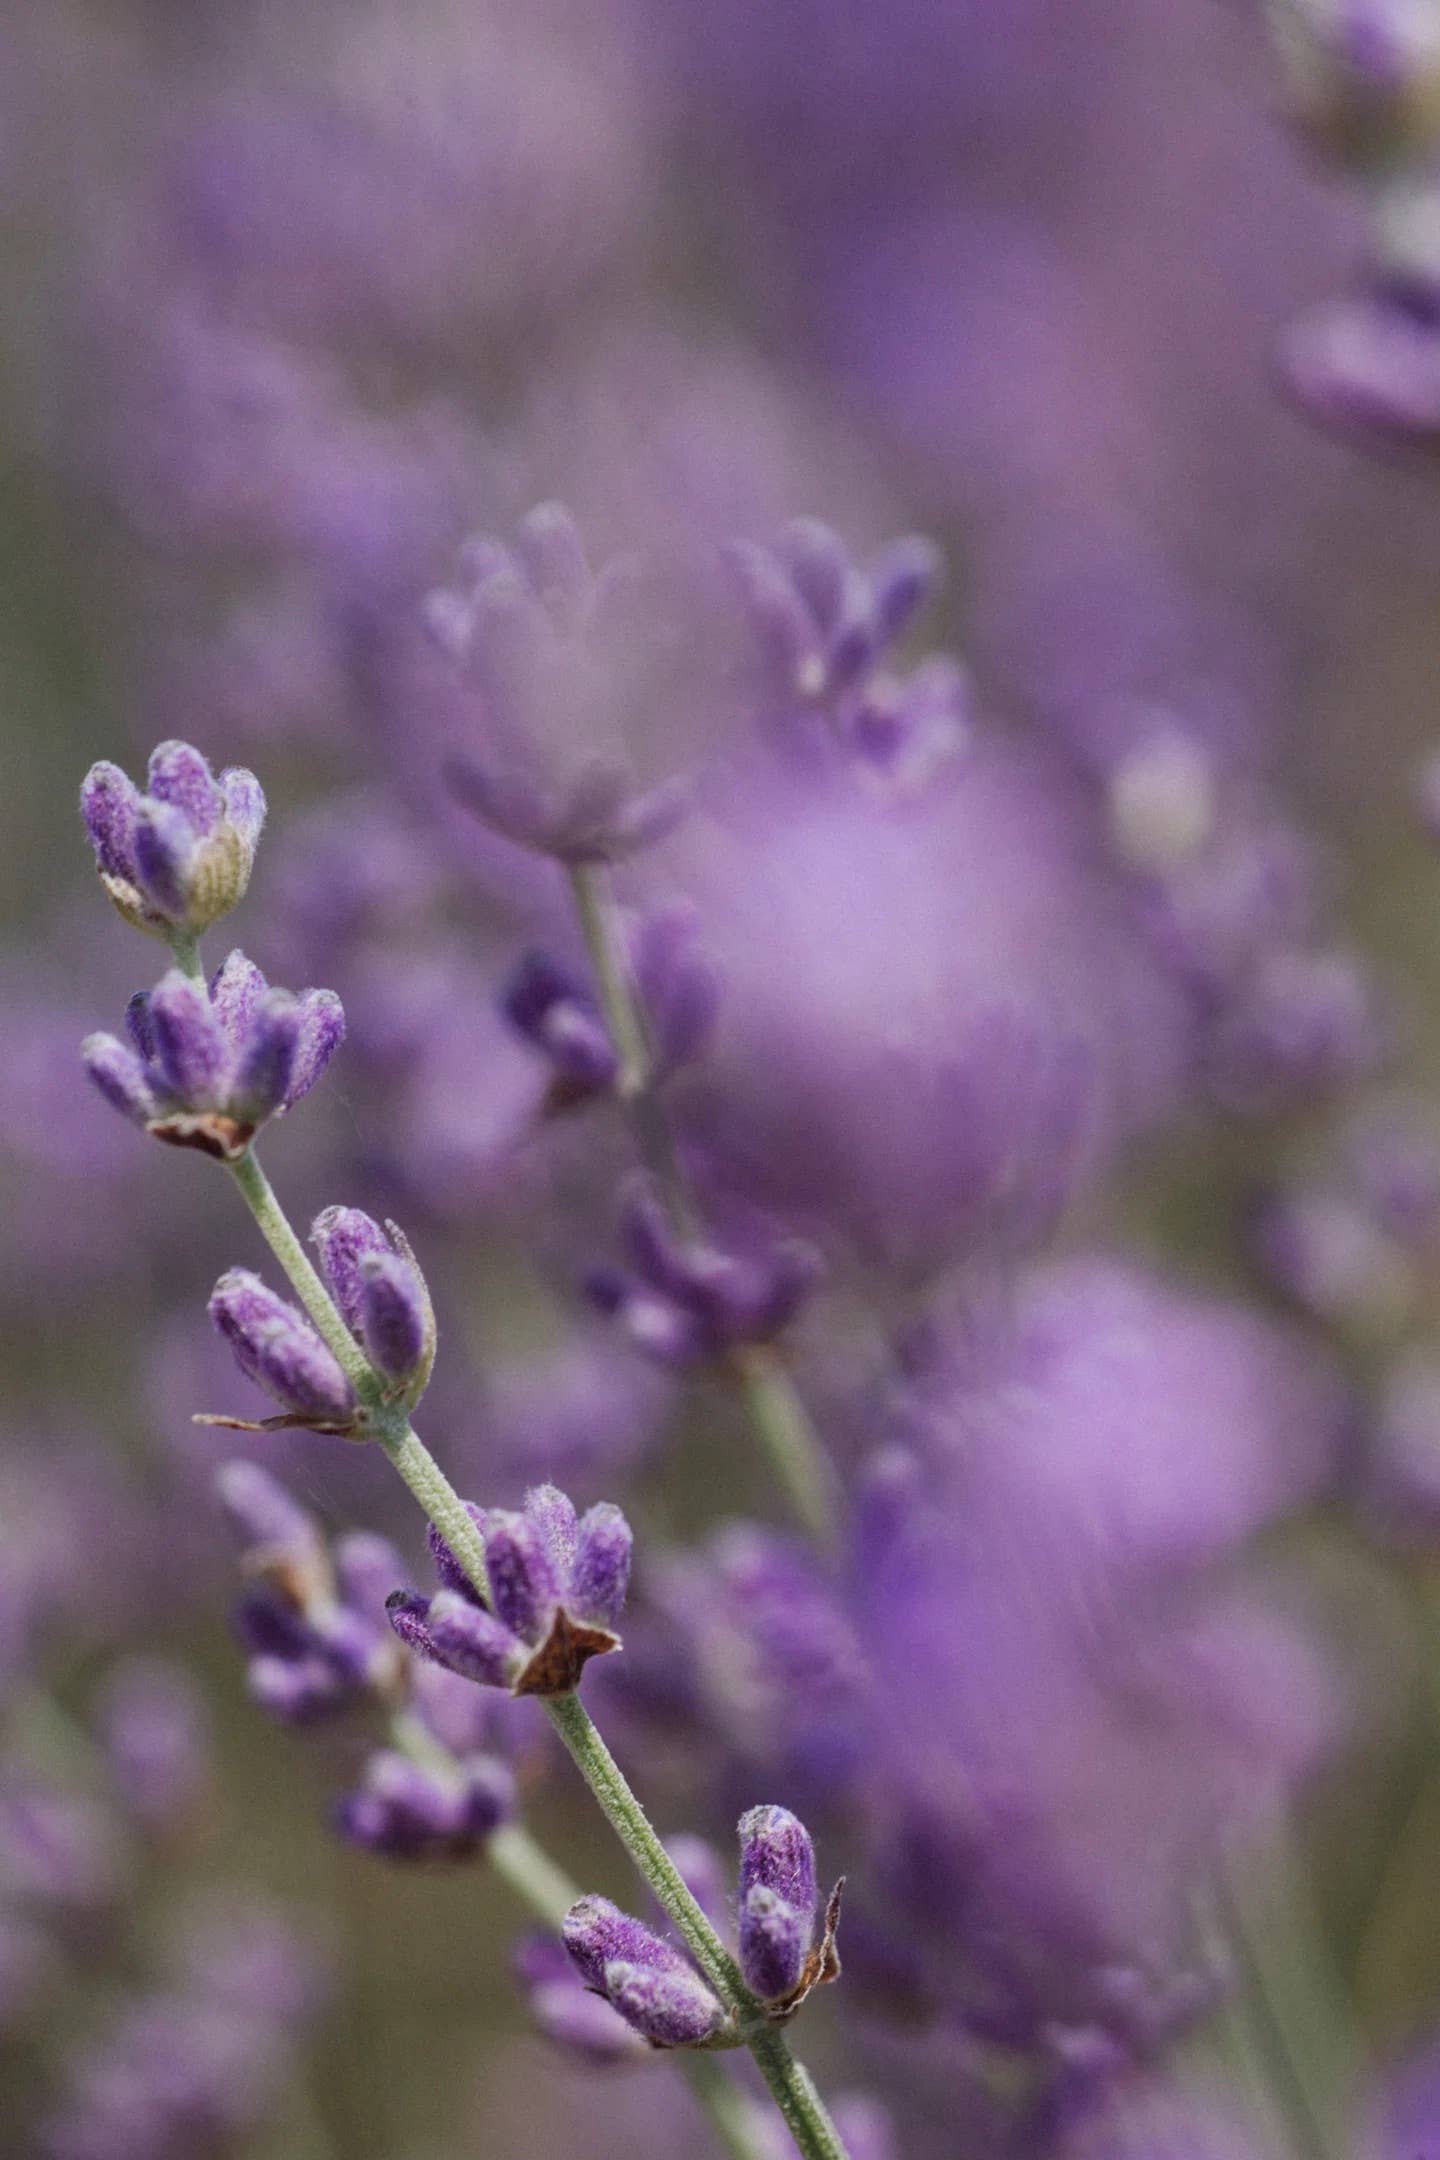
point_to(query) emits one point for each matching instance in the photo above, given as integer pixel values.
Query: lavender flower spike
(557, 1589)
(778, 1901)
(650, 1983)
(177, 856)
(207, 1069)
(374, 1278)
(276, 1347)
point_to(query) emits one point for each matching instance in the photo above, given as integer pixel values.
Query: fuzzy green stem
(777, 1415)
(790, 2084)
(185, 946)
(274, 1226)
(526, 1868)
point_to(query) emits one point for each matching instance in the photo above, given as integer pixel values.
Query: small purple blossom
(778, 1910)
(374, 1278)
(312, 1623)
(684, 1301)
(276, 1347)
(550, 656)
(153, 1724)
(646, 1979)
(177, 856)
(557, 1589)
(407, 1810)
(207, 1069)
(567, 2011)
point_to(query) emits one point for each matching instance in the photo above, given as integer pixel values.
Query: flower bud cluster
(207, 1069)
(313, 1621)
(555, 1010)
(652, 1985)
(548, 651)
(557, 1585)
(374, 1279)
(685, 1302)
(825, 626)
(178, 856)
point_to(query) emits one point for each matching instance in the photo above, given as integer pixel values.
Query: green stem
(1282, 2019)
(791, 2085)
(526, 1868)
(779, 1418)
(274, 1225)
(185, 947)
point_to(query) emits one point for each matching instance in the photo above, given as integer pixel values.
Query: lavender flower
(409, 1810)
(685, 1301)
(648, 1981)
(276, 1347)
(824, 625)
(568, 2012)
(313, 1626)
(653, 1986)
(556, 1011)
(374, 1278)
(557, 1589)
(1362, 77)
(778, 1910)
(207, 1071)
(177, 856)
(551, 655)
(153, 1724)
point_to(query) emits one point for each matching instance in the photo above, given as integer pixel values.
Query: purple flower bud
(407, 1812)
(275, 1345)
(265, 1066)
(236, 989)
(192, 1056)
(322, 1030)
(118, 1074)
(584, 2024)
(524, 1581)
(819, 564)
(367, 1569)
(549, 544)
(902, 577)
(179, 775)
(262, 1514)
(465, 1637)
(153, 1724)
(553, 1011)
(600, 1571)
(396, 1326)
(597, 1933)
(706, 1298)
(775, 1939)
(178, 856)
(777, 1854)
(297, 1691)
(344, 1237)
(670, 2009)
(109, 802)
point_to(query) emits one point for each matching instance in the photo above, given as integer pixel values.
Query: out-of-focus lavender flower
(313, 1627)
(824, 627)
(177, 856)
(684, 1301)
(1304, 1023)
(1330, 1255)
(374, 1278)
(567, 2011)
(1369, 366)
(153, 1724)
(557, 1012)
(207, 1069)
(557, 1589)
(1361, 77)
(407, 1810)
(551, 658)
(646, 1979)
(59, 1850)
(939, 1020)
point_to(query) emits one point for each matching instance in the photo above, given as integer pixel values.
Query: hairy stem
(777, 1415)
(789, 2082)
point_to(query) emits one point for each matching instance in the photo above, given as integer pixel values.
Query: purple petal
(596, 1933)
(774, 1939)
(109, 801)
(469, 1640)
(344, 1238)
(447, 1567)
(236, 989)
(165, 848)
(262, 1514)
(671, 2009)
(394, 1316)
(601, 1569)
(244, 803)
(776, 1853)
(321, 1034)
(192, 1055)
(120, 1077)
(266, 1060)
(181, 776)
(524, 1585)
(553, 1514)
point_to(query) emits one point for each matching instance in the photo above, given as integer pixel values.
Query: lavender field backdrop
(754, 689)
